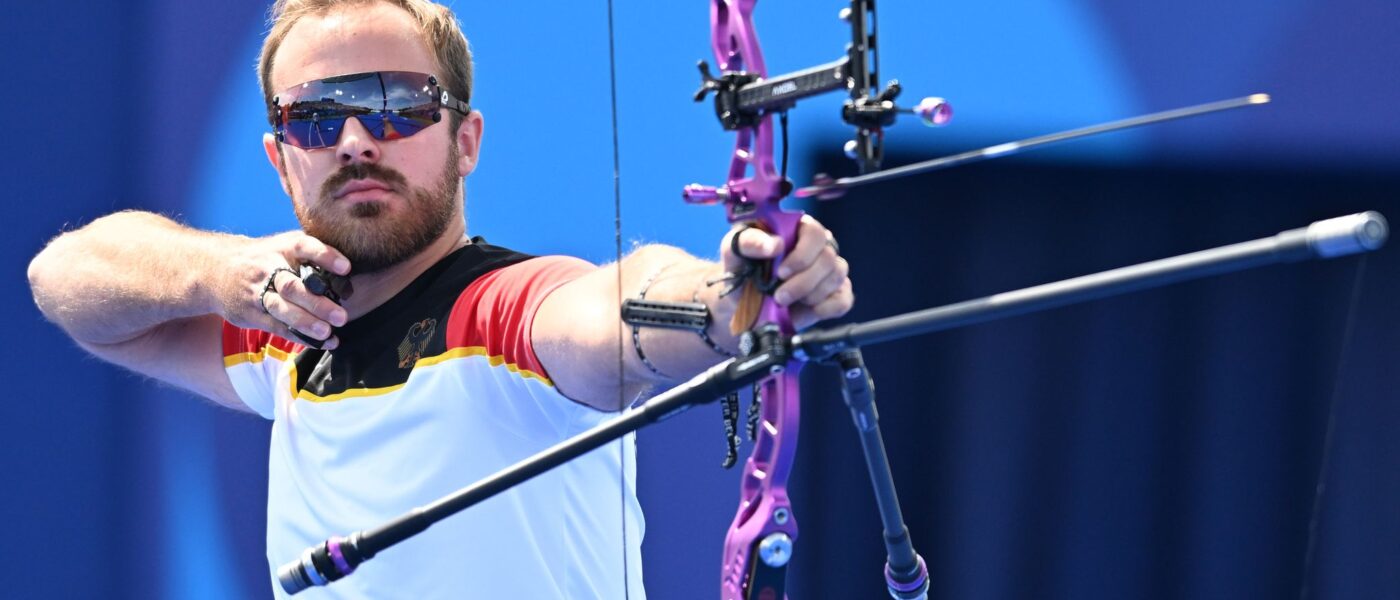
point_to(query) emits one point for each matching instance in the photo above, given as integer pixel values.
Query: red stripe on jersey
(238, 341)
(496, 310)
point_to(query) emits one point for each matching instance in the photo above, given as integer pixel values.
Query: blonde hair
(436, 23)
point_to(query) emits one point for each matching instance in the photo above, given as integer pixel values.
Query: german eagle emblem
(416, 342)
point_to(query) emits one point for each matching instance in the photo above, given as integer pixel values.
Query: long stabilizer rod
(1341, 236)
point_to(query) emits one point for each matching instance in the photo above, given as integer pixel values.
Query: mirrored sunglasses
(389, 104)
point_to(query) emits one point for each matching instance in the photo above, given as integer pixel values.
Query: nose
(356, 144)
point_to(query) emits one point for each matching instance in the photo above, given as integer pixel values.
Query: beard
(370, 236)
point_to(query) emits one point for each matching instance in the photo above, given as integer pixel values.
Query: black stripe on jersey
(373, 346)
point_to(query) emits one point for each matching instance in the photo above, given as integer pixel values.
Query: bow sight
(743, 96)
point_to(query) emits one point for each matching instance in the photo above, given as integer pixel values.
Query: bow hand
(812, 280)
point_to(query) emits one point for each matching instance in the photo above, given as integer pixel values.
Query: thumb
(748, 243)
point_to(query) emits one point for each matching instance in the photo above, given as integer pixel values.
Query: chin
(368, 209)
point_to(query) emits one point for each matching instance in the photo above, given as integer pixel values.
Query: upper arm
(576, 335)
(580, 339)
(569, 317)
(185, 353)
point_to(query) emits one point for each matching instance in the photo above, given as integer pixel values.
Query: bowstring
(1348, 330)
(617, 242)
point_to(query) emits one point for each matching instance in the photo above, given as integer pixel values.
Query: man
(450, 359)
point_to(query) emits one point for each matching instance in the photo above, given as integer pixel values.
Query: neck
(374, 289)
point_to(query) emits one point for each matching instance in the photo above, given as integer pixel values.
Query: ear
(469, 143)
(274, 156)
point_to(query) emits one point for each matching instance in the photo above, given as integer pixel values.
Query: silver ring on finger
(271, 286)
(831, 241)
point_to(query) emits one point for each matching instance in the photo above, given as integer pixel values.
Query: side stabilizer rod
(825, 188)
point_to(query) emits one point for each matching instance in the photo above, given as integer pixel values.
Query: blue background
(1162, 446)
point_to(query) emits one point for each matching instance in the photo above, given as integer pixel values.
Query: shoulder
(495, 312)
(503, 278)
(254, 361)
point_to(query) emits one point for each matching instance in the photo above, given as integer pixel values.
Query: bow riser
(760, 538)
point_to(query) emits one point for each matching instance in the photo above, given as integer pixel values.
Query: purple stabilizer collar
(338, 557)
(912, 586)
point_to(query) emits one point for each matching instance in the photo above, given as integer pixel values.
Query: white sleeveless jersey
(431, 392)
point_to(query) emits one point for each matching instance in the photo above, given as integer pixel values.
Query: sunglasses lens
(313, 130)
(390, 105)
(387, 126)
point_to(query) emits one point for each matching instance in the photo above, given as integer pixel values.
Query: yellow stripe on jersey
(256, 357)
(495, 361)
(455, 353)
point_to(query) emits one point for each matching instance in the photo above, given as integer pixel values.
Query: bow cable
(622, 402)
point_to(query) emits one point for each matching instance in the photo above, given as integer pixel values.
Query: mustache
(348, 173)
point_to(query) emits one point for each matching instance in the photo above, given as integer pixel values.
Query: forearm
(670, 275)
(126, 273)
(597, 359)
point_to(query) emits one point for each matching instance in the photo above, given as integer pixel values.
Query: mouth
(363, 189)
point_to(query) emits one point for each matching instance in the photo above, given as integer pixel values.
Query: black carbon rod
(1351, 234)
(906, 575)
(830, 189)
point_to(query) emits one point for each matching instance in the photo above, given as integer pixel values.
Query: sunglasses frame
(279, 115)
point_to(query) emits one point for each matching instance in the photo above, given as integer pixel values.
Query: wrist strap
(693, 316)
(637, 316)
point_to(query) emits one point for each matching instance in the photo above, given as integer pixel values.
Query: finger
(330, 343)
(812, 241)
(290, 315)
(752, 243)
(291, 335)
(323, 308)
(837, 304)
(803, 318)
(827, 287)
(280, 329)
(804, 283)
(307, 249)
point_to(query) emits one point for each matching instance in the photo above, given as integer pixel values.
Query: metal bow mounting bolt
(704, 194)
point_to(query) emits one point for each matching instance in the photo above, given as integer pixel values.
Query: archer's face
(377, 201)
